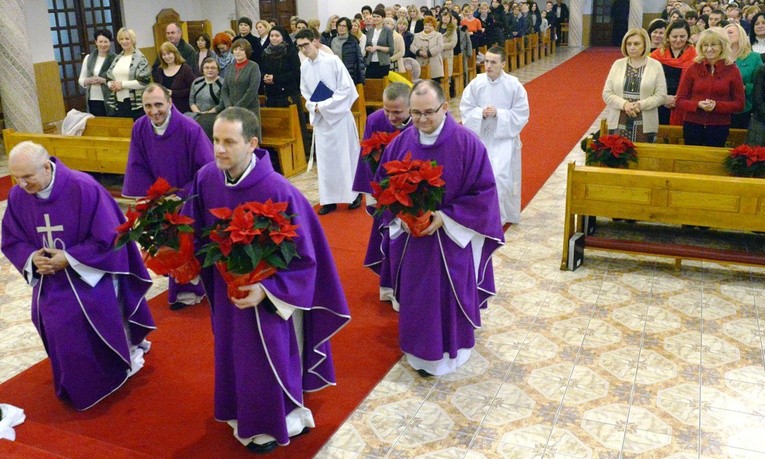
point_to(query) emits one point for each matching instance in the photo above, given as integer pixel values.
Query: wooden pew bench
(103, 147)
(671, 184)
(281, 132)
(674, 135)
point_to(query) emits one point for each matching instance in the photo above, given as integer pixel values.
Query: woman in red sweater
(711, 89)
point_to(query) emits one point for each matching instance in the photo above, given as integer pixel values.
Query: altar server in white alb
(329, 93)
(495, 106)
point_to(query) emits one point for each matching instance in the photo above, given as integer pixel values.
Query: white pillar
(575, 22)
(17, 75)
(636, 14)
(248, 8)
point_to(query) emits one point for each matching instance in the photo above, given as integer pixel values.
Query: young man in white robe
(329, 92)
(495, 106)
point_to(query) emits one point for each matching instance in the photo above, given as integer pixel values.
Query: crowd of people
(693, 67)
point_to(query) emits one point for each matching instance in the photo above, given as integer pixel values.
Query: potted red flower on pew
(611, 150)
(250, 243)
(373, 147)
(165, 237)
(411, 191)
(746, 161)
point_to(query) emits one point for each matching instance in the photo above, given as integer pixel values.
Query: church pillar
(248, 8)
(575, 22)
(17, 75)
(636, 14)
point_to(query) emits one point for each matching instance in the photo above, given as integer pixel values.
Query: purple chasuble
(82, 327)
(434, 279)
(376, 122)
(176, 155)
(259, 375)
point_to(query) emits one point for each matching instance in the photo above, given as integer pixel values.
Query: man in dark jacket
(174, 35)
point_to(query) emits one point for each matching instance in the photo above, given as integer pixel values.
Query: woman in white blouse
(128, 75)
(93, 73)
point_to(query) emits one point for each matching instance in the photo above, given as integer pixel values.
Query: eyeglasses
(303, 45)
(426, 113)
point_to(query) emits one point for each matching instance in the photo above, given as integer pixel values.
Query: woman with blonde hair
(710, 91)
(448, 28)
(175, 74)
(357, 32)
(747, 63)
(634, 90)
(330, 31)
(128, 75)
(428, 46)
(397, 58)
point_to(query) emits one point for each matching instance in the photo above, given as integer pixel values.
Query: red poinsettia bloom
(616, 143)
(178, 219)
(377, 141)
(131, 216)
(158, 189)
(285, 231)
(398, 167)
(222, 213)
(432, 174)
(223, 241)
(241, 228)
(752, 154)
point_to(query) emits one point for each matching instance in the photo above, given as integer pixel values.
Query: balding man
(166, 143)
(174, 34)
(88, 300)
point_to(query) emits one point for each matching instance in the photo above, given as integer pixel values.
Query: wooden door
(278, 10)
(600, 33)
(72, 23)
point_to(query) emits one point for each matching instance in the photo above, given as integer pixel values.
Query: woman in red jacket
(711, 89)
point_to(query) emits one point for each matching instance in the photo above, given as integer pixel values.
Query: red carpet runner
(166, 409)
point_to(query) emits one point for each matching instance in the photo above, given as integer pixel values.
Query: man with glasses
(496, 107)
(394, 116)
(443, 277)
(329, 93)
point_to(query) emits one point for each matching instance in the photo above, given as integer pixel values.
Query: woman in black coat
(346, 47)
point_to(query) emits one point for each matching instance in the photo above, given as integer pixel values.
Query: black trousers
(709, 136)
(375, 70)
(125, 110)
(97, 107)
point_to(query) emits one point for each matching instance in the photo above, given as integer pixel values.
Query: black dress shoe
(356, 203)
(424, 374)
(262, 449)
(178, 305)
(327, 208)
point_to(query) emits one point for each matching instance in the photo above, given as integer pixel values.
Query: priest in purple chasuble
(442, 279)
(273, 345)
(166, 143)
(394, 116)
(329, 92)
(88, 300)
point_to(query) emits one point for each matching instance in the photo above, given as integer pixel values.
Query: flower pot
(234, 281)
(180, 264)
(416, 223)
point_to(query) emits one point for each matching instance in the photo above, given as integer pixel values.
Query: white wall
(41, 44)
(219, 12)
(323, 9)
(141, 15)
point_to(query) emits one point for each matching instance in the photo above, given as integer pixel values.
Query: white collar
(430, 139)
(247, 170)
(45, 193)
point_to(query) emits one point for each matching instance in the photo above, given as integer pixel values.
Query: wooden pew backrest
(104, 126)
(674, 135)
(280, 128)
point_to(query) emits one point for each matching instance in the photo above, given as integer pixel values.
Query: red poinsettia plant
(373, 147)
(611, 150)
(250, 243)
(165, 237)
(412, 190)
(746, 161)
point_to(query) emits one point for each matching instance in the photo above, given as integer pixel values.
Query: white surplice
(336, 137)
(501, 134)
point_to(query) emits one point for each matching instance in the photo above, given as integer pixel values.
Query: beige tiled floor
(624, 357)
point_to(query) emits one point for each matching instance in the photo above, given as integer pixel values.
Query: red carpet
(564, 102)
(167, 408)
(5, 187)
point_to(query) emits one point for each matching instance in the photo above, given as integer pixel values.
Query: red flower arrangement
(411, 191)
(610, 151)
(165, 237)
(746, 161)
(248, 244)
(373, 147)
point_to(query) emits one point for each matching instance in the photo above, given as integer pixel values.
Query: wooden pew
(511, 50)
(544, 46)
(281, 132)
(731, 203)
(84, 153)
(674, 135)
(373, 93)
(520, 45)
(425, 72)
(482, 67)
(458, 76)
(105, 126)
(471, 67)
(532, 47)
(359, 110)
(445, 83)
